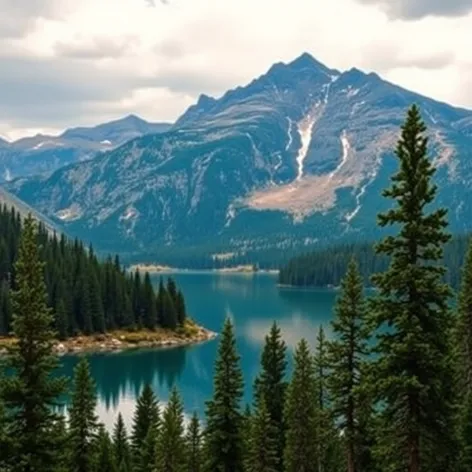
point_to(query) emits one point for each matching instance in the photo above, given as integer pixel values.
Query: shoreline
(122, 340)
(160, 269)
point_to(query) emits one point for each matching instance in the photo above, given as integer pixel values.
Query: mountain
(44, 154)
(296, 158)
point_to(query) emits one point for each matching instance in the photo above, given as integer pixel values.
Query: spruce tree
(193, 441)
(301, 410)
(171, 455)
(31, 392)
(180, 308)
(412, 374)
(465, 433)
(464, 329)
(145, 456)
(270, 387)
(326, 437)
(263, 454)
(149, 304)
(83, 422)
(105, 457)
(121, 446)
(146, 416)
(347, 357)
(224, 420)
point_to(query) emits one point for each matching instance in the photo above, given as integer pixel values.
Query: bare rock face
(298, 156)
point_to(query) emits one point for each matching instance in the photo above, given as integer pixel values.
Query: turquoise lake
(253, 302)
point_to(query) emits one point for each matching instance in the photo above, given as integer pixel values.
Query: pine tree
(149, 308)
(270, 387)
(413, 370)
(180, 308)
(223, 434)
(246, 433)
(169, 315)
(263, 454)
(62, 321)
(193, 441)
(327, 439)
(121, 446)
(146, 416)
(301, 415)
(145, 456)
(105, 458)
(96, 307)
(464, 328)
(465, 426)
(83, 422)
(30, 393)
(347, 357)
(171, 443)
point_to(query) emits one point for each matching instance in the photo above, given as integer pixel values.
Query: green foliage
(83, 422)
(263, 446)
(327, 266)
(105, 457)
(270, 387)
(31, 392)
(193, 441)
(121, 447)
(86, 295)
(412, 374)
(146, 417)
(145, 456)
(171, 455)
(224, 420)
(347, 360)
(301, 414)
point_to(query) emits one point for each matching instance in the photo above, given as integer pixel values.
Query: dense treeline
(327, 266)
(86, 295)
(407, 408)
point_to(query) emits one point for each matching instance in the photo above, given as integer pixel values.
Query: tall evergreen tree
(464, 329)
(413, 371)
(263, 454)
(171, 455)
(149, 308)
(31, 392)
(347, 357)
(327, 439)
(146, 416)
(224, 421)
(270, 387)
(301, 410)
(193, 441)
(145, 456)
(121, 446)
(83, 422)
(105, 458)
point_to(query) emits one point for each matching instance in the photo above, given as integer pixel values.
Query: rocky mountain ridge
(44, 154)
(295, 158)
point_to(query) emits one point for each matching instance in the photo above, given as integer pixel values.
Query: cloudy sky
(80, 62)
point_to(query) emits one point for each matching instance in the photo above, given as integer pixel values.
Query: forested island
(326, 267)
(96, 304)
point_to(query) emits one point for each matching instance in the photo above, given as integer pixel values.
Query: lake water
(253, 302)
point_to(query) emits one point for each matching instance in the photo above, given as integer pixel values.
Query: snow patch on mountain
(305, 130)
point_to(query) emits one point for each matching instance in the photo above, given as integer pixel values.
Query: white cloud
(67, 63)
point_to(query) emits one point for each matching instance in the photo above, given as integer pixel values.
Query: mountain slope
(297, 157)
(42, 153)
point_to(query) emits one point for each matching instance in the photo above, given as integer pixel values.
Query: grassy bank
(118, 340)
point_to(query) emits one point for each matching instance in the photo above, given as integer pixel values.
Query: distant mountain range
(41, 153)
(294, 159)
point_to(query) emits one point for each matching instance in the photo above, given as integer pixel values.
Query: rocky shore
(121, 340)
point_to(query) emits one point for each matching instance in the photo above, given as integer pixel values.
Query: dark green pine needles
(412, 374)
(30, 394)
(224, 435)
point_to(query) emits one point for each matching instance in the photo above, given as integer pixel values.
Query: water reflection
(252, 302)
